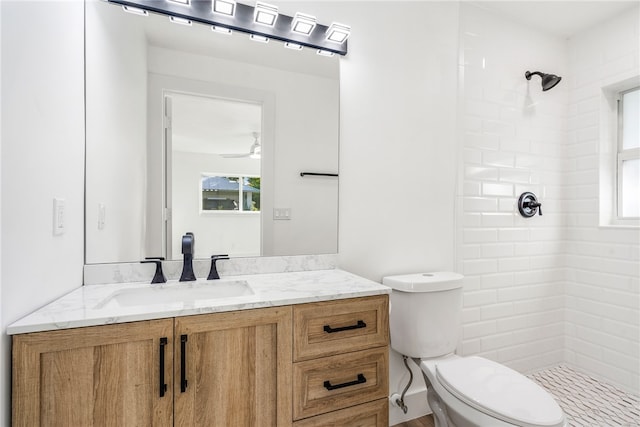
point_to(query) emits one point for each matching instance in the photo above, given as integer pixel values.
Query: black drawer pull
(361, 380)
(328, 329)
(183, 363)
(163, 385)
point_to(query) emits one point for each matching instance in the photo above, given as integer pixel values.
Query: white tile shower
(512, 139)
(557, 288)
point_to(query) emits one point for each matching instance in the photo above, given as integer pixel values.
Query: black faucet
(213, 273)
(158, 277)
(187, 250)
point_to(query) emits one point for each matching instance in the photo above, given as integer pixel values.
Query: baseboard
(416, 402)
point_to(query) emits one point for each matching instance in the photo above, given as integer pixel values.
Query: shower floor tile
(588, 402)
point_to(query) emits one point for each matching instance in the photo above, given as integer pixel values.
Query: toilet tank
(425, 313)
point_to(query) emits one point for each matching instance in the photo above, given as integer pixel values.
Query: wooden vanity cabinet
(100, 375)
(223, 369)
(251, 368)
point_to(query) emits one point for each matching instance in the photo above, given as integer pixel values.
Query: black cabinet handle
(361, 380)
(183, 363)
(328, 329)
(163, 385)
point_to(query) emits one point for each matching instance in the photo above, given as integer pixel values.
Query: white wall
(4, 355)
(513, 138)
(42, 141)
(116, 69)
(603, 262)
(398, 88)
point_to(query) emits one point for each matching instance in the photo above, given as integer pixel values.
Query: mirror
(216, 143)
(172, 114)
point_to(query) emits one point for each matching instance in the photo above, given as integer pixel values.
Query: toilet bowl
(474, 391)
(461, 391)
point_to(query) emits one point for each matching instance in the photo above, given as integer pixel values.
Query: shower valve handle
(533, 205)
(528, 205)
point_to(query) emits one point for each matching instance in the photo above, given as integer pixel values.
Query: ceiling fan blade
(235, 156)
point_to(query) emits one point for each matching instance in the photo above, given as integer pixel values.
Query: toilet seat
(499, 392)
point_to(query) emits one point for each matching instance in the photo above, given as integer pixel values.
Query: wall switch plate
(282, 213)
(58, 217)
(102, 215)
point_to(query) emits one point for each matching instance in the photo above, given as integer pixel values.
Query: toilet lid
(499, 391)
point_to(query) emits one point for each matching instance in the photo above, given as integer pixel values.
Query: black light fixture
(548, 80)
(262, 22)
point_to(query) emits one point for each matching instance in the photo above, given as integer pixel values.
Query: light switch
(58, 217)
(102, 215)
(282, 213)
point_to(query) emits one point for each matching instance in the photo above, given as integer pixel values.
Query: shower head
(548, 80)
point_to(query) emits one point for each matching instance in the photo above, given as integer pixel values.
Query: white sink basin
(185, 293)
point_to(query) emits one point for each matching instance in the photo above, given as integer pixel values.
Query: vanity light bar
(262, 20)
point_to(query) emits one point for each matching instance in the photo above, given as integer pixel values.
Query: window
(224, 193)
(628, 155)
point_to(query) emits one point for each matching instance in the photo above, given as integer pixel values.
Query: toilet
(461, 391)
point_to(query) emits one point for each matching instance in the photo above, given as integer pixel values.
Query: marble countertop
(95, 305)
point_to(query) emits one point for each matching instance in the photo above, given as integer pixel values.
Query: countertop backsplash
(99, 274)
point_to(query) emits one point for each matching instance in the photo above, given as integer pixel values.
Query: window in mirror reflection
(230, 193)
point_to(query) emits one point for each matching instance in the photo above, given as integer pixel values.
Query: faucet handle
(158, 277)
(213, 273)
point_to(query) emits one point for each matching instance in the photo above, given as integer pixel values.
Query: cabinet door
(234, 369)
(94, 376)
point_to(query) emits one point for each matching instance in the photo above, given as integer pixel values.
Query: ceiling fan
(254, 151)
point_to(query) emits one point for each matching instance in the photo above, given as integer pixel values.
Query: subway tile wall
(555, 288)
(602, 288)
(513, 139)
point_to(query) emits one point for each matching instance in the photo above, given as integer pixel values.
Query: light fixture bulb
(293, 46)
(325, 53)
(257, 38)
(180, 21)
(221, 30)
(135, 11)
(182, 2)
(265, 14)
(338, 32)
(224, 7)
(303, 23)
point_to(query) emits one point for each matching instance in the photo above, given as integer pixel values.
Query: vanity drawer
(337, 382)
(372, 414)
(327, 328)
